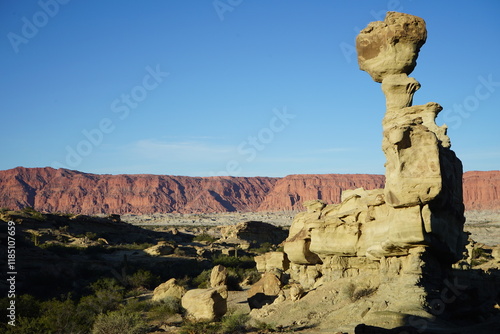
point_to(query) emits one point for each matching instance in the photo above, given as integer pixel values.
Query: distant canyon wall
(61, 190)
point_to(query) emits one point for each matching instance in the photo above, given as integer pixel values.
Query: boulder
(253, 233)
(272, 260)
(390, 46)
(218, 280)
(296, 292)
(265, 291)
(218, 276)
(168, 289)
(162, 248)
(204, 304)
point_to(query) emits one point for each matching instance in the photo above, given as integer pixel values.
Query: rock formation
(290, 192)
(204, 304)
(482, 190)
(265, 291)
(169, 289)
(252, 233)
(218, 280)
(271, 261)
(399, 241)
(51, 190)
(162, 248)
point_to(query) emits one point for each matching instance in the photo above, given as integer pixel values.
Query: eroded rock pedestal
(400, 241)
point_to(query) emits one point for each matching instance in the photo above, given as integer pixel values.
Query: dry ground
(484, 226)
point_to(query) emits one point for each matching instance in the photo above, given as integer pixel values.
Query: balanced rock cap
(390, 46)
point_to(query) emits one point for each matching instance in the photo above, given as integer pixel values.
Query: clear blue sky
(240, 87)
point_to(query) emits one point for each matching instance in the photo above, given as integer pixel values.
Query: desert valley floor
(484, 226)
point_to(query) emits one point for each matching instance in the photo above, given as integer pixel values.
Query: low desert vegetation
(480, 256)
(106, 290)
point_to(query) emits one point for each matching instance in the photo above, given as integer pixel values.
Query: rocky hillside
(62, 190)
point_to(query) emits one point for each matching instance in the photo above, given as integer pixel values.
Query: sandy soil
(484, 226)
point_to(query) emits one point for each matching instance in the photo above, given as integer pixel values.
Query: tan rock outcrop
(296, 292)
(168, 289)
(271, 261)
(400, 240)
(252, 233)
(162, 248)
(218, 276)
(218, 280)
(265, 291)
(204, 304)
(390, 46)
(391, 257)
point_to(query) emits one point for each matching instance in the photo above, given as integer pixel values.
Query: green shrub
(202, 281)
(64, 317)
(167, 307)
(264, 248)
(200, 328)
(134, 305)
(234, 323)
(480, 256)
(348, 291)
(108, 295)
(91, 235)
(205, 237)
(34, 214)
(27, 325)
(363, 292)
(142, 279)
(119, 322)
(353, 294)
(228, 261)
(61, 249)
(263, 327)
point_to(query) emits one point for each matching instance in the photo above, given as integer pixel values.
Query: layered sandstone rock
(482, 190)
(272, 261)
(51, 190)
(402, 239)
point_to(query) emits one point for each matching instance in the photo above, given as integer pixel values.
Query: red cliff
(482, 190)
(62, 190)
(291, 191)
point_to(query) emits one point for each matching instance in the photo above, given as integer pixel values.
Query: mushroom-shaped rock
(390, 46)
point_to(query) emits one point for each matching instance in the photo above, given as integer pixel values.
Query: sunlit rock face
(421, 203)
(404, 237)
(391, 46)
